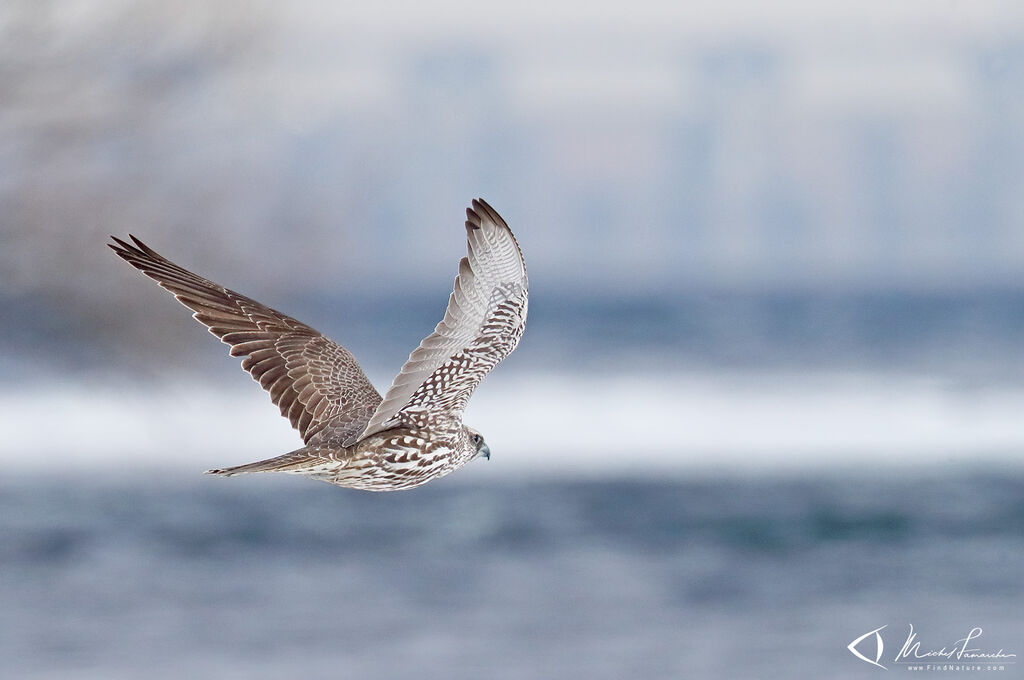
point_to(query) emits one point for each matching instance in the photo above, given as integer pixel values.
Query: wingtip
(472, 217)
(135, 250)
(124, 244)
(478, 211)
(120, 248)
(143, 247)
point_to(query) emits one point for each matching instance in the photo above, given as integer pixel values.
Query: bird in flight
(353, 437)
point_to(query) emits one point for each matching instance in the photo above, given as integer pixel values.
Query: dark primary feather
(317, 383)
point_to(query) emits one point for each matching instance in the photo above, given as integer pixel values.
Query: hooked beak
(484, 451)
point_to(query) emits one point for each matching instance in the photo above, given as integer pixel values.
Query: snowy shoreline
(551, 423)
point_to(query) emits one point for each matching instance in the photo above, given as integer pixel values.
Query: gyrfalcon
(352, 437)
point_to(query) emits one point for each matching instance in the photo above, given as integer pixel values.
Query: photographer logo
(965, 654)
(879, 647)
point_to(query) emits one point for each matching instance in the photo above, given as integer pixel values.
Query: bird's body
(399, 458)
(353, 437)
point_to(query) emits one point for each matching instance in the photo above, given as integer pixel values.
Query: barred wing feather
(483, 323)
(318, 384)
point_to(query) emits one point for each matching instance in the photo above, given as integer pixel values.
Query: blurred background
(769, 396)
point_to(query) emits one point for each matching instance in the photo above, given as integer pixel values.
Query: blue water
(262, 577)
(973, 334)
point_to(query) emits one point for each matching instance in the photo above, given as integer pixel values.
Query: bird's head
(477, 440)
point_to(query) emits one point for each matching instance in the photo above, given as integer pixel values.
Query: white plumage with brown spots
(352, 436)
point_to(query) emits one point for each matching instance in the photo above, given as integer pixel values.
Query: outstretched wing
(317, 383)
(483, 323)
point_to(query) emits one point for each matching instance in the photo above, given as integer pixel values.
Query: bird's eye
(476, 439)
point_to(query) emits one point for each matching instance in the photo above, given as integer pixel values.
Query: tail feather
(308, 459)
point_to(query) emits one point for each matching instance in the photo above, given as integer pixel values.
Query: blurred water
(972, 334)
(266, 578)
(746, 379)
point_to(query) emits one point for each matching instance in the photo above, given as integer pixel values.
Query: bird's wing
(317, 383)
(483, 323)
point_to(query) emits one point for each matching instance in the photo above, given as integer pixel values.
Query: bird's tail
(307, 460)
